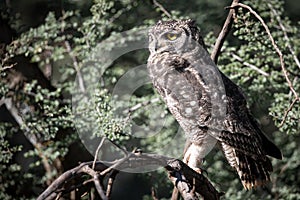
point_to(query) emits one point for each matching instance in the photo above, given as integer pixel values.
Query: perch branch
(224, 32)
(188, 182)
(178, 171)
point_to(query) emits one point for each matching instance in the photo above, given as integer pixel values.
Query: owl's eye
(171, 36)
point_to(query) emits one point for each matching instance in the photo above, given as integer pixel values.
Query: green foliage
(53, 118)
(9, 171)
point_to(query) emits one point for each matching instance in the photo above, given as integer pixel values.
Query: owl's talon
(198, 170)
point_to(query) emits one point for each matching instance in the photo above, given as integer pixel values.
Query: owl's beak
(161, 47)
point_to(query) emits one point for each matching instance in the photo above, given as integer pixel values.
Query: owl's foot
(194, 165)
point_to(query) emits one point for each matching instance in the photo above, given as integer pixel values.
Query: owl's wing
(188, 92)
(240, 128)
(242, 141)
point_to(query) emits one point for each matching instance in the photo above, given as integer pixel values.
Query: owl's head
(174, 36)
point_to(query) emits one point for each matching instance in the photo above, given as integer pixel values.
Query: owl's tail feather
(253, 172)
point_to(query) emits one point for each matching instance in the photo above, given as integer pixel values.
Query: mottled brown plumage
(208, 106)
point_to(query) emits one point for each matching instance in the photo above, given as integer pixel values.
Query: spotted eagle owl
(209, 107)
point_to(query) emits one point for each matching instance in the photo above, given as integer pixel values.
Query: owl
(209, 107)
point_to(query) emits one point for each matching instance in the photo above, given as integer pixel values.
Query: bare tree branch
(140, 105)
(249, 64)
(110, 182)
(278, 51)
(288, 41)
(178, 171)
(76, 66)
(7, 67)
(58, 185)
(162, 9)
(287, 111)
(97, 151)
(96, 180)
(224, 32)
(175, 194)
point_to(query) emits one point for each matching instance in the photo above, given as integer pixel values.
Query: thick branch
(189, 182)
(110, 182)
(178, 171)
(58, 184)
(96, 180)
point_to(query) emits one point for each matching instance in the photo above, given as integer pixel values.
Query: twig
(7, 67)
(114, 166)
(287, 111)
(142, 104)
(224, 32)
(278, 51)
(162, 9)
(73, 187)
(99, 188)
(76, 66)
(58, 196)
(288, 41)
(249, 64)
(97, 152)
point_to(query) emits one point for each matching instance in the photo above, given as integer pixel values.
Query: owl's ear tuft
(159, 22)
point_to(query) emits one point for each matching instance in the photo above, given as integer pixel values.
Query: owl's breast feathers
(185, 93)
